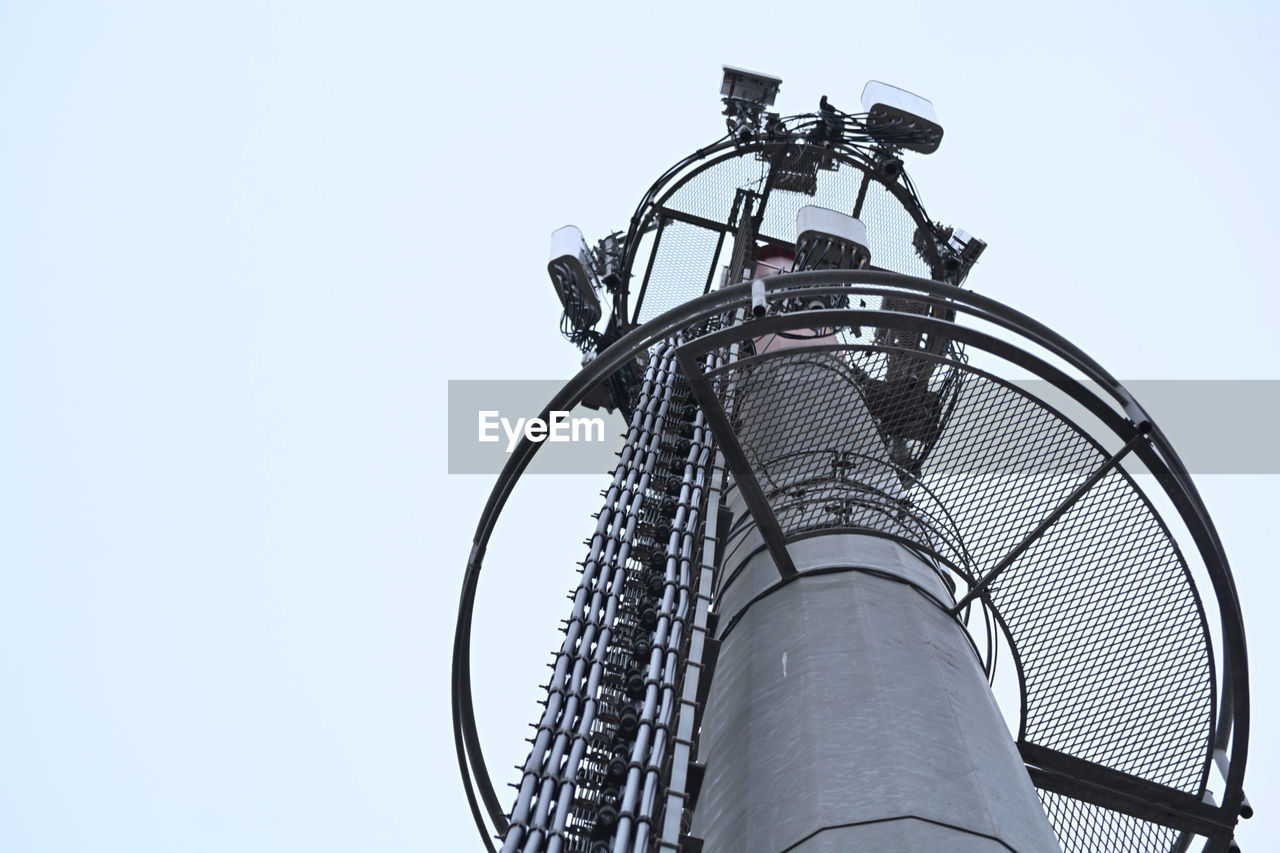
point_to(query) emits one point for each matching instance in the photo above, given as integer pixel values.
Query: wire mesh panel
(891, 231)
(825, 456)
(683, 259)
(1086, 828)
(711, 191)
(835, 188)
(1113, 645)
(777, 180)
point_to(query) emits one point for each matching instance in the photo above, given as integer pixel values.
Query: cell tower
(855, 503)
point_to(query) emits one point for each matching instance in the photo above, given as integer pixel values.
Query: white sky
(243, 247)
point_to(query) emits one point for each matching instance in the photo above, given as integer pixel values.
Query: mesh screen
(1113, 647)
(890, 232)
(1086, 828)
(834, 190)
(710, 192)
(683, 259)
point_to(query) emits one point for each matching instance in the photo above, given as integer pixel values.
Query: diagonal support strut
(736, 461)
(1069, 501)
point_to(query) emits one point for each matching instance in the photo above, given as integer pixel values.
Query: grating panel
(683, 257)
(709, 193)
(1086, 828)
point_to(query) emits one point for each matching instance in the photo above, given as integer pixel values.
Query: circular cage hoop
(1107, 546)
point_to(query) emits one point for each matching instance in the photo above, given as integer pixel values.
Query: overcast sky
(243, 247)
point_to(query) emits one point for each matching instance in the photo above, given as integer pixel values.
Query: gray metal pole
(848, 709)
